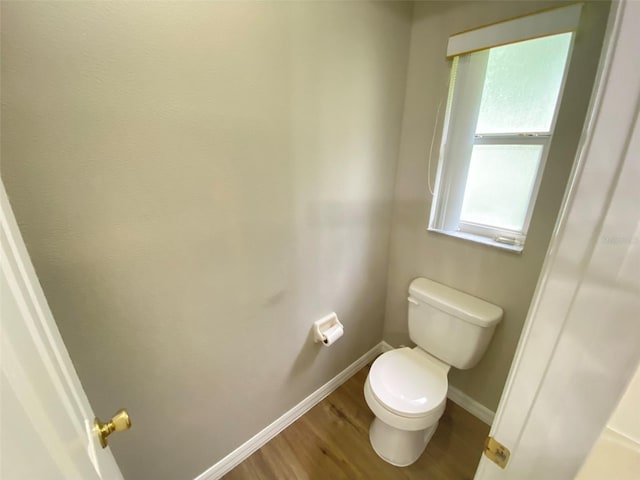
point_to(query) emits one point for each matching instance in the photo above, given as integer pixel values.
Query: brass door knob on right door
(118, 423)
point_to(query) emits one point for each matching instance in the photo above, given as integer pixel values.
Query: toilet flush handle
(413, 302)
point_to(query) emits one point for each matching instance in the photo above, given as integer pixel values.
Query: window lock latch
(507, 240)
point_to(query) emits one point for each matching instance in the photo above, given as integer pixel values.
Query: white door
(46, 427)
(581, 342)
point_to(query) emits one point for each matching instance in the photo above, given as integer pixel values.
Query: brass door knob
(118, 423)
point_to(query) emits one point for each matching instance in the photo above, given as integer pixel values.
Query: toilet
(407, 387)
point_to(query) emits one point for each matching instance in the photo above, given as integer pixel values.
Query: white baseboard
(470, 405)
(262, 437)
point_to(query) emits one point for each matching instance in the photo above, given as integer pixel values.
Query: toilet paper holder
(322, 329)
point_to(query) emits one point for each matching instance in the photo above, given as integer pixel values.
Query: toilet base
(399, 447)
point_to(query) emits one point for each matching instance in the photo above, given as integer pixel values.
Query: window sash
(492, 231)
(511, 139)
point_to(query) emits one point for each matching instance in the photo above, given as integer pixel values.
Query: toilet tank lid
(456, 303)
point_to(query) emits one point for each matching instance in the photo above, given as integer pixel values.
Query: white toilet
(407, 388)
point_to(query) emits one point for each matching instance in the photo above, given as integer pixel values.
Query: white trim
(479, 239)
(241, 453)
(542, 24)
(470, 405)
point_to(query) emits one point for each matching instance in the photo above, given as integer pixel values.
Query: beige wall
(196, 183)
(501, 277)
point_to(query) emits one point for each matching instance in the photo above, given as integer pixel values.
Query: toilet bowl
(406, 388)
(407, 391)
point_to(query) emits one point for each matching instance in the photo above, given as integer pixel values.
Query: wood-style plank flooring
(331, 442)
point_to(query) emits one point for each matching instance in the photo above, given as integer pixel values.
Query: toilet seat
(408, 383)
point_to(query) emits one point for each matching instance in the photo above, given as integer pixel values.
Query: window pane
(522, 84)
(499, 185)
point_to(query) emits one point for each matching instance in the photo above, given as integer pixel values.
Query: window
(501, 112)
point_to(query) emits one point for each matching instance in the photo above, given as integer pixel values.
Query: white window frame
(458, 139)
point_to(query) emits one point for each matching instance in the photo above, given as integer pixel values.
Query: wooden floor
(331, 442)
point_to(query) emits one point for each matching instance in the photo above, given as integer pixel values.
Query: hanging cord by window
(433, 138)
(449, 99)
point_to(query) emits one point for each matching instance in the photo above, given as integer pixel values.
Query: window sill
(479, 239)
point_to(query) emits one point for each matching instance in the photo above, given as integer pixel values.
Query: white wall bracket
(323, 326)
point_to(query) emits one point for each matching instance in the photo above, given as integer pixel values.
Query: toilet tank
(451, 325)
